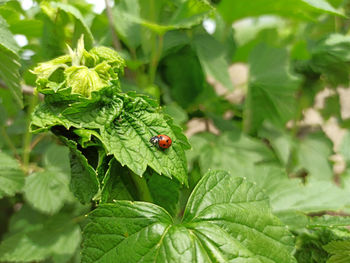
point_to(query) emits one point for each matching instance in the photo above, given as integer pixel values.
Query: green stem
(28, 135)
(9, 142)
(295, 130)
(142, 188)
(156, 53)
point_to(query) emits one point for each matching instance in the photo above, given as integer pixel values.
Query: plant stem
(37, 140)
(142, 188)
(156, 52)
(115, 40)
(28, 135)
(9, 142)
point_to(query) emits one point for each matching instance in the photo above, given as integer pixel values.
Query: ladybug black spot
(167, 140)
(164, 144)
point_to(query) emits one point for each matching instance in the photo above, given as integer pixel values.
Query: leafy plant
(253, 180)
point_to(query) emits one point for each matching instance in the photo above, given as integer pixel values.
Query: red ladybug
(161, 141)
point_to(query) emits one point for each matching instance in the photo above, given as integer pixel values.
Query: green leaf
(164, 191)
(299, 220)
(272, 88)
(27, 27)
(211, 54)
(56, 158)
(80, 73)
(11, 176)
(304, 9)
(345, 147)
(310, 153)
(101, 109)
(329, 221)
(190, 13)
(231, 151)
(310, 245)
(35, 237)
(226, 220)
(81, 27)
(281, 142)
(183, 71)
(113, 185)
(176, 112)
(128, 139)
(331, 107)
(313, 153)
(83, 182)
(123, 124)
(9, 66)
(184, 14)
(289, 195)
(47, 191)
(331, 56)
(93, 113)
(128, 30)
(341, 251)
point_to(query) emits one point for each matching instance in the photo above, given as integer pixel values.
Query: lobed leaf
(226, 220)
(128, 140)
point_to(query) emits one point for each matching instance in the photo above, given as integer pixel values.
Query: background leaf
(11, 176)
(340, 249)
(310, 9)
(211, 54)
(9, 66)
(183, 71)
(231, 151)
(35, 237)
(330, 56)
(47, 191)
(272, 88)
(81, 26)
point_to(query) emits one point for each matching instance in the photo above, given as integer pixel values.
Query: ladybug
(161, 141)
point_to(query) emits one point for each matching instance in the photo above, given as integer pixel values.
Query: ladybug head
(154, 140)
